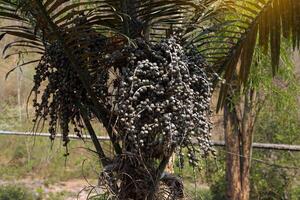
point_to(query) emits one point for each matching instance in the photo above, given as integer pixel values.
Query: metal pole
(71, 136)
(282, 147)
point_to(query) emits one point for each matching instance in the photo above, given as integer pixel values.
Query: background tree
(243, 110)
(273, 174)
(247, 23)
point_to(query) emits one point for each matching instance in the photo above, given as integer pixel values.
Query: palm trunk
(232, 140)
(246, 148)
(239, 120)
(135, 186)
(245, 170)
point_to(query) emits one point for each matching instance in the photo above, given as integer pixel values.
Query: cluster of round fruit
(58, 99)
(163, 100)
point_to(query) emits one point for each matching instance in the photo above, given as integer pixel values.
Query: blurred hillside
(15, 88)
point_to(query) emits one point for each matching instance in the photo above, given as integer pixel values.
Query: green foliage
(12, 192)
(277, 176)
(215, 175)
(15, 193)
(218, 189)
(35, 156)
(270, 183)
(278, 122)
(21, 157)
(295, 193)
(199, 194)
(267, 182)
(9, 119)
(59, 196)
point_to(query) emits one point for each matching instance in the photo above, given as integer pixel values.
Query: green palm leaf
(47, 24)
(230, 32)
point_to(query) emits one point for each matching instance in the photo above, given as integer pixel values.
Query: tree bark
(232, 140)
(239, 120)
(247, 122)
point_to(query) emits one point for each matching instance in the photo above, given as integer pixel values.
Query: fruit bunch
(164, 100)
(58, 92)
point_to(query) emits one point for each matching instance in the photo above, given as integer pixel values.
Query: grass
(13, 192)
(199, 194)
(17, 192)
(22, 157)
(38, 157)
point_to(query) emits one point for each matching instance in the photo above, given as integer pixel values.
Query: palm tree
(90, 54)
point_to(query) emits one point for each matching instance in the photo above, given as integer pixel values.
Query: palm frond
(39, 21)
(151, 19)
(160, 16)
(231, 31)
(74, 28)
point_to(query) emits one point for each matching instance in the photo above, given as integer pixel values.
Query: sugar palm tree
(91, 52)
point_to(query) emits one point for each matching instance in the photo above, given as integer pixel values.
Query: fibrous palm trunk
(232, 141)
(239, 120)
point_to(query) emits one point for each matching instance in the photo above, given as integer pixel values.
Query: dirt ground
(76, 189)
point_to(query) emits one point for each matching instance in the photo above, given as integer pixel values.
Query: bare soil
(76, 189)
